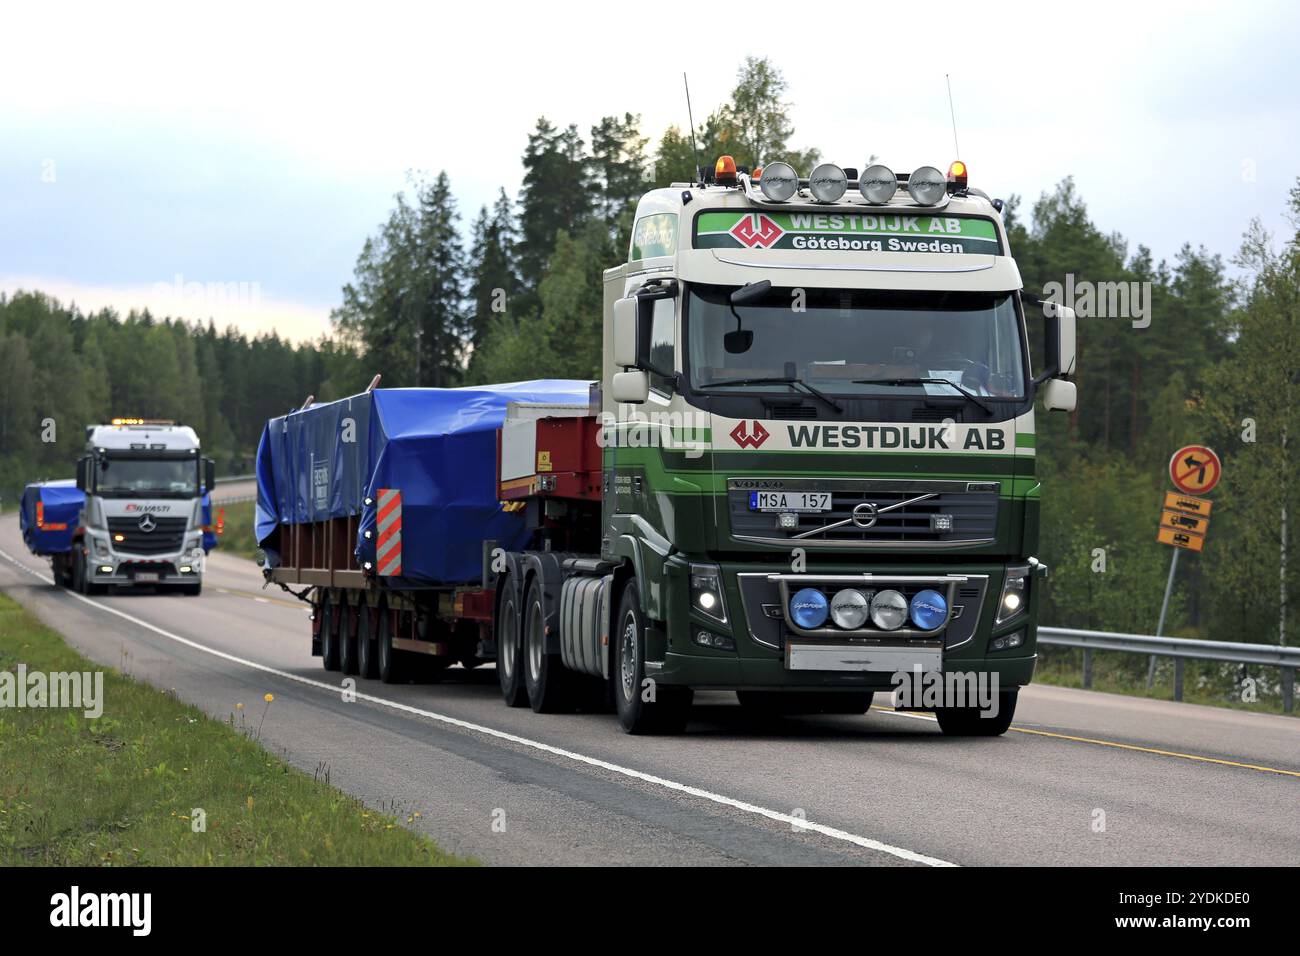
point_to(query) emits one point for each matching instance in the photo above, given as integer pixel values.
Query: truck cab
(819, 437)
(142, 522)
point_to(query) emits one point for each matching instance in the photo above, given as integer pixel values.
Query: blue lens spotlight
(809, 608)
(929, 610)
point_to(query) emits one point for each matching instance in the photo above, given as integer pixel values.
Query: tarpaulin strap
(388, 520)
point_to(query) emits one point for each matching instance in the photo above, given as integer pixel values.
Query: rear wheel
(643, 706)
(510, 658)
(347, 616)
(971, 722)
(367, 652)
(329, 634)
(805, 702)
(550, 686)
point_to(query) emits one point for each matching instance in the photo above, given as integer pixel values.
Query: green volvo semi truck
(806, 474)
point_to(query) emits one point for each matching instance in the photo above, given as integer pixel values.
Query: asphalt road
(1177, 783)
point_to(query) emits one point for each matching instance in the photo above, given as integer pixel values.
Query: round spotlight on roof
(827, 183)
(888, 610)
(779, 181)
(927, 185)
(878, 184)
(850, 609)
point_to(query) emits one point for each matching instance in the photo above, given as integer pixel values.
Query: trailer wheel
(967, 721)
(390, 662)
(348, 623)
(643, 706)
(329, 634)
(510, 656)
(367, 652)
(550, 686)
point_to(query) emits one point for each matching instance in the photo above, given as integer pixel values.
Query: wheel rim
(627, 656)
(535, 642)
(509, 639)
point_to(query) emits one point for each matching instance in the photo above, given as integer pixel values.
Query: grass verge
(123, 788)
(237, 535)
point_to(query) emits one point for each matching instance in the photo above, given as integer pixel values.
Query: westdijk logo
(757, 231)
(745, 438)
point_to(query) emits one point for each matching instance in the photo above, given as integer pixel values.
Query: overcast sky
(147, 149)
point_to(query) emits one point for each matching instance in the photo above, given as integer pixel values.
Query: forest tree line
(519, 296)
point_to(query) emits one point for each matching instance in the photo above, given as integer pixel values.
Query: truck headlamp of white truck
(927, 185)
(779, 182)
(706, 592)
(888, 610)
(1015, 593)
(878, 184)
(100, 547)
(828, 183)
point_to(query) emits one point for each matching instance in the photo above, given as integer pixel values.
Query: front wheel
(644, 707)
(971, 721)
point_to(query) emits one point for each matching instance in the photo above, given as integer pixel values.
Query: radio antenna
(953, 113)
(694, 150)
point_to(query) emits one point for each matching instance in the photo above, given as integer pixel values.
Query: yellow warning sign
(543, 461)
(1179, 521)
(1181, 539)
(1186, 503)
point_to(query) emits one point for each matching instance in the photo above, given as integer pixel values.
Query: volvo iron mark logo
(147, 523)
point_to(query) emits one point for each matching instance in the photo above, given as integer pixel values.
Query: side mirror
(1059, 395)
(1065, 340)
(626, 335)
(83, 474)
(630, 386)
(209, 473)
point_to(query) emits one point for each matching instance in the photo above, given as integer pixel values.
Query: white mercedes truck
(142, 523)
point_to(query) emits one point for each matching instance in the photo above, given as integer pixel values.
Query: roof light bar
(828, 183)
(927, 186)
(779, 182)
(878, 184)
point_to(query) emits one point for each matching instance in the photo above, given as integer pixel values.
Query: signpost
(1184, 522)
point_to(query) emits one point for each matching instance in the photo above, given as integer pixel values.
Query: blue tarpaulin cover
(62, 505)
(437, 446)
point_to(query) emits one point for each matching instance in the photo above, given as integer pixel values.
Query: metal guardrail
(1180, 649)
(228, 478)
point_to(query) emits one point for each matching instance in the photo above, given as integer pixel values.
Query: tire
(78, 573)
(329, 634)
(388, 658)
(192, 590)
(510, 654)
(367, 651)
(671, 707)
(348, 663)
(550, 686)
(968, 722)
(778, 703)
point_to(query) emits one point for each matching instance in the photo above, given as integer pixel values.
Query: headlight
(779, 181)
(808, 608)
(827, 183)
(850, 609)
(888, 610)
(706, 591)
(927, 185)
(99, 547)
(1015, 593)
(929, 610)
(878, 184)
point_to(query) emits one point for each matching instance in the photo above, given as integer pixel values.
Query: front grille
(972, 507)
(166, 538)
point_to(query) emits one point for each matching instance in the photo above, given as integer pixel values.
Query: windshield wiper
(971, 396)
(795, 383)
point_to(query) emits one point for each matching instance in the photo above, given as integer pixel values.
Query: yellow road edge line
(1119, 746)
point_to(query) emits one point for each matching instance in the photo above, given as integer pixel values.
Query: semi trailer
(806, 473)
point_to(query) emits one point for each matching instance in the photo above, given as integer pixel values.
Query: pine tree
(556, 195)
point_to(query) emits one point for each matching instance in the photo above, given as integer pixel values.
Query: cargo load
(437, 448)
(48, 516)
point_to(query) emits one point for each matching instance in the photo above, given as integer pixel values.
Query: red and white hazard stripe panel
(388, 550)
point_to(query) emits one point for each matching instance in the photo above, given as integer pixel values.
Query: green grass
(120, 789)
(1204, 682)
(237, 538)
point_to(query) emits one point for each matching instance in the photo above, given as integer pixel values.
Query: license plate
(146, 577)
(796, 501)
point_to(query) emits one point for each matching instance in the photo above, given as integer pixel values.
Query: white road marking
(785, 818)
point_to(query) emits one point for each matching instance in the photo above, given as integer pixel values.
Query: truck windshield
(856, 342)
(142, 477)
